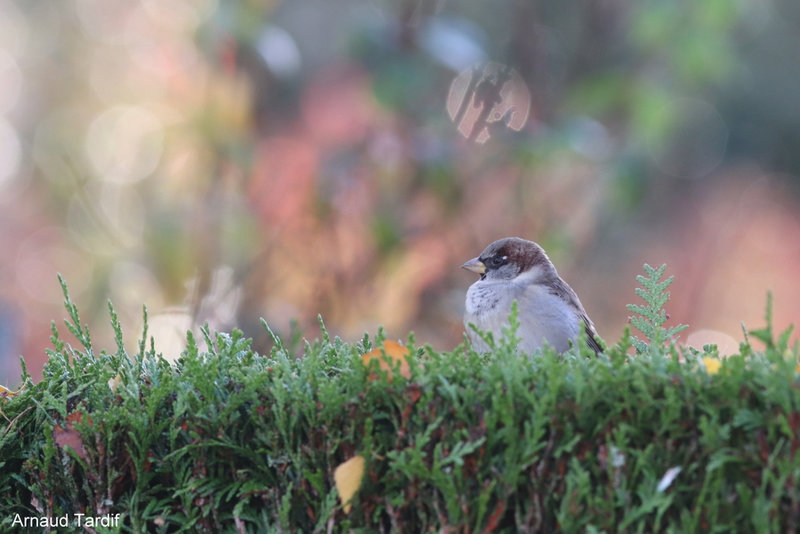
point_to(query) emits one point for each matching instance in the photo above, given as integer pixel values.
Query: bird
(549, 312)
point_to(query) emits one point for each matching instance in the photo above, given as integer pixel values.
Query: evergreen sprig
(650, 318)
(228, 440)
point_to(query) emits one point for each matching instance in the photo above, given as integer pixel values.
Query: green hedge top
(227, 440)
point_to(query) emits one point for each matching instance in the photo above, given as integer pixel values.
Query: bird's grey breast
(489, 303)
(482, 298)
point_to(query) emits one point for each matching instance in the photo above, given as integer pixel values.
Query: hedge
(647, 437)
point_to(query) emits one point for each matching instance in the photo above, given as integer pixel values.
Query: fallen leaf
(69, 437)
(712, 365)
(617, 457)
(668, 478)
(113, 383)
(347, 477)
(6, 393)
(396, 353)
(495, 517)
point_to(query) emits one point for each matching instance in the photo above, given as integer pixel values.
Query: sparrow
(549, 310)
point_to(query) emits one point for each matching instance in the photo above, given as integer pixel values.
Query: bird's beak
(475, 265)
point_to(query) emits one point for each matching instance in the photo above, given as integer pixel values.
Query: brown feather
(562, 289)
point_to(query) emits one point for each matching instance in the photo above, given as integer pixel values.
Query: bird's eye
(497, 261)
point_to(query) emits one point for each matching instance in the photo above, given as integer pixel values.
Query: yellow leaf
(113, 383)
(712, 365)
(6, 393)
(396, 352)
(347, 477)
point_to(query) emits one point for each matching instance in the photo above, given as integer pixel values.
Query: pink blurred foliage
(320, 250)
(339, 201)
(730, 244)
(317, 226)
(728, 241)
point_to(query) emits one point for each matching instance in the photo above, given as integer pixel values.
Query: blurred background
(224, 160)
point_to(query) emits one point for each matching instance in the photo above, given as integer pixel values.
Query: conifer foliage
(373, 437)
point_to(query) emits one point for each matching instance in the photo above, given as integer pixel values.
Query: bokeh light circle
(125, 143)
(698, 145)
(43, 254)
(10, 153)
(10, 82)
(486, 96)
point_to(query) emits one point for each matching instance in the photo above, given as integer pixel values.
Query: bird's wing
(591, 335)
(562, 290)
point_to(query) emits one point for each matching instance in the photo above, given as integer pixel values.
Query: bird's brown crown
(522, 254)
